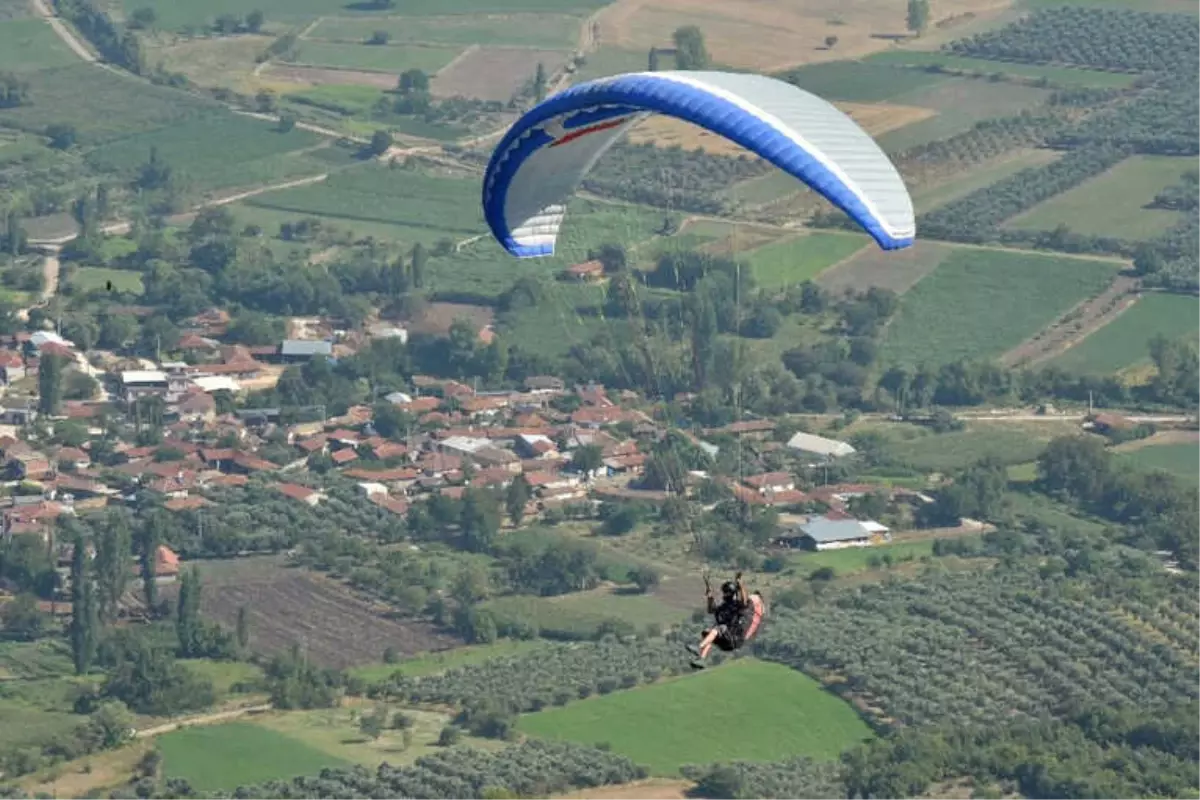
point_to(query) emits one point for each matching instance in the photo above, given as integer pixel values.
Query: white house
(822, 533)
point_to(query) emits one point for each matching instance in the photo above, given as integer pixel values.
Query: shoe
(694, 650)
(697, 664)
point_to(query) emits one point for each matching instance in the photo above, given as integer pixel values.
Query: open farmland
(1125, 341)
(861, 82)
(214, 151)
(960, 103)
(215, 757)
(289, 606)
(580, 615)
(688, 720)
(220, 61)
(978, 303)
(611, 61)
(1061, 76)
(30, 44)
(766, 36)
(422, 206)
(320, 76)
(1181, 460)
(376, 58)
(896, 270)
(1114, 202)
(494, 73)
(560, 31)
(85, 279)
(84, 96)
(802, 258)
(937, 193)
(957, 450)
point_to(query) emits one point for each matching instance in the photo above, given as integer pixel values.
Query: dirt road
(1075, 325)
(44, 11)
(202, 719)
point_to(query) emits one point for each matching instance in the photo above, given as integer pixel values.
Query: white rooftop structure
(372, 488)
(143, 376)
(465, 444)
(217, 383)
(819, 445)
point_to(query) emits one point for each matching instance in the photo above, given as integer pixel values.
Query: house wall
(863, 542)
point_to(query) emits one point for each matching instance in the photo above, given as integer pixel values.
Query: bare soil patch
(897, 270)
(437, 318)
(772, 35)
(288, 606)
(653, 789)
(494, 73)
(317, 76)
(1074, 326)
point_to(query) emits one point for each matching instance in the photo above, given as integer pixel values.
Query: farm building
(822, 533)
(303, 349)
(587, 272)
(825, 449)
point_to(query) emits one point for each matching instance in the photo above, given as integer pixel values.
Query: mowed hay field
(376, 58)
(559, 31)
(745, 710)
(895, 270)
(767, 36)
(1113, 203)
(1181, 460)
(288, 606)
(31, 44)
(494, 73)
(222, 757)
(801, 258)
(1125, 341)
(978, 303)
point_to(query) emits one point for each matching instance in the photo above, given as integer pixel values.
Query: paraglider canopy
(544, 157)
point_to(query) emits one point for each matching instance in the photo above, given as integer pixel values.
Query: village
(461, 438)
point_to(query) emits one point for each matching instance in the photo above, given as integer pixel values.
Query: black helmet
(728, 589)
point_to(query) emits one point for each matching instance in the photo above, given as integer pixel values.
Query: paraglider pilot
(728, 633)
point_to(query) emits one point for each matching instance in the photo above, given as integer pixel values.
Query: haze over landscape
(311, 489)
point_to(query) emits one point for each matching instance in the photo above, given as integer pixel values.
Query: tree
(21, 618)
(413, 81)
(264, 101)
(539, 82)
(479, 521)
(187, 620)
(84, 631)
(14, 234)
(612, 257)
(243, 628)
(149, 538)
(690, 50)
(918, 16)
(379, 37)
(516, 497)
(62, 135)
(652, 60)
(1074, 468)
(113, 551)
(831, 42)
(254, 21)
(645, 578)
(418, 260)
(373, 723)
(587, 459)
(143, 18)
(50, 383)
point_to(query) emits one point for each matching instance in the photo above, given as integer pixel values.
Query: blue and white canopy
(544, 157)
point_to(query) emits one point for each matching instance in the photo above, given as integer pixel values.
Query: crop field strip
(1125, 341)
(517, 30)
(972, 647)
(980, 303)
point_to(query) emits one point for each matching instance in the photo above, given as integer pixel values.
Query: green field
(376, 58)
(775, 185)
(224, 674)
(85, 97)
(979, 176)
(579, 615)
(1126, 340)
(433, 663)
(952, 451)
(175, 14)
(979, 303)
(794, 261)
(611, 61)
(1159, 6)
(37, 687)
(859, 559)
(747, 710)
(30, 44)
(529, 30)
(1063, 76)
(1113, 203)
(861, 82)
(85, 279)
(960, 103)
(440, 206)
(217, 757)
(1182, 460)
(215, 151)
